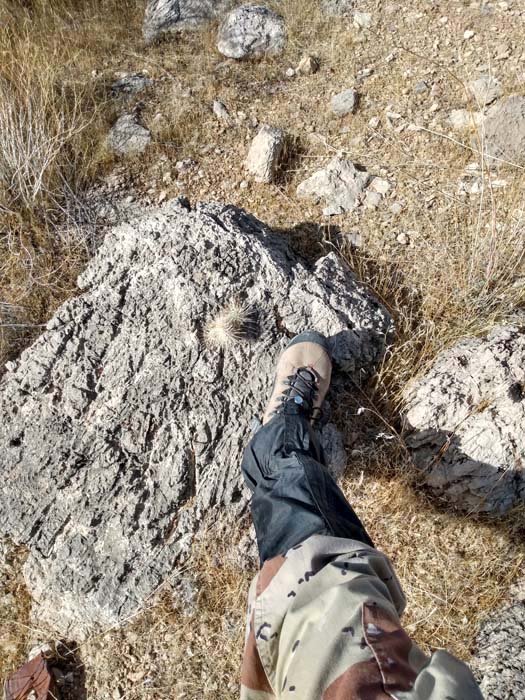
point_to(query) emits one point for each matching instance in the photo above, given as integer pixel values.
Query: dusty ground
(456, 270)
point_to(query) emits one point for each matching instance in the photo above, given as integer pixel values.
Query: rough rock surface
(131, 84)
(341, 185)
(464, 119)
(337, 8)
(485, 90)
(500, 654)
(176, 15)
(504, 127)
(121, 429)
(345, 102)
(251, 30)
(128, 136)
(468, 413)
(265, 152)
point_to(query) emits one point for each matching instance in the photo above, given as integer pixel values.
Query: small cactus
(229, 326)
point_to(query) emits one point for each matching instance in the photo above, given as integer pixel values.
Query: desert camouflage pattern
(323, 624)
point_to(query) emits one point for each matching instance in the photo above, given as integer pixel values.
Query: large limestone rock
(122, 428)
(504, 131)
(178, 15)
(500, 658)
(468, 416)
(251, 31)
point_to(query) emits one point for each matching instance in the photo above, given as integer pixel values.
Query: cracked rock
(122, 429)
(251, 31)
(500, 657)
(178, 15)
(340, 185)
(468, 417)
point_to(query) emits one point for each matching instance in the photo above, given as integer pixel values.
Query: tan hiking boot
(302, 376)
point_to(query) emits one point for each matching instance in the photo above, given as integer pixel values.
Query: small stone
(374, 122)
(485, 90)
(403, 238)
(162, 196)
(354, 238)
(464, 119)
(129, 199)
(290, 73)
(131, 84)
(468, 34)
(244, 185)
(128, 136)
(308, 65)
(372, 200)
(184, 166)
(364, 73)
(345, 102)
(265, 152)
(362, 20)
(396, 208)
(221, 112)
(380, 185)
(421, 87)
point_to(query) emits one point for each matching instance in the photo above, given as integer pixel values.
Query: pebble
(372, 200)
(308, 65)
(403, 238)
(421, 87)
(468, 34)
(362, 20)
(290, 73)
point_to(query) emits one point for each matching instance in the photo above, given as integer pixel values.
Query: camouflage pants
(294, 496)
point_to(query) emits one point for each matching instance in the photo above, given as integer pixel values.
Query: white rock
(380, 185)
(471, 402)
(308, 65)
(251, 30)
(345, 102)
(464, 119)
(265, 152)
(485, 89)
(128, 136)
(221, 112)
(372, 199)
(341, 185)
(468, 34)
(403, 238)
(362, 20)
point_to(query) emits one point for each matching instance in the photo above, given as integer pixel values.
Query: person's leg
(294, 496)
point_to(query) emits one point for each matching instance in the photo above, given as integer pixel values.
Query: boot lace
(302, 390)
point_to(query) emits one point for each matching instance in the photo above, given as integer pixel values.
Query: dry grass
(461, 272)
(54, 115)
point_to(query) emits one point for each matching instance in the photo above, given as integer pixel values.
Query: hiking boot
(302, 376)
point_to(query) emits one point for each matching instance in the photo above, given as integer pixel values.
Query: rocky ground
(388, 137)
